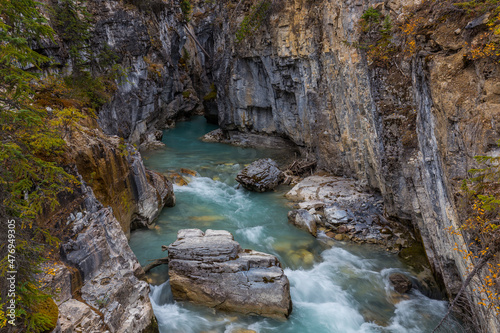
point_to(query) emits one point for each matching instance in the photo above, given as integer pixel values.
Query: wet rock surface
(152, 141)
(400, 282)
(408, 130)
(304, 220)
(236, 138)
(260, 176)
(211, 269)
(215, 136)
(336, 207)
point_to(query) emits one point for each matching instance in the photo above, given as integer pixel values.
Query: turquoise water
(335, 287)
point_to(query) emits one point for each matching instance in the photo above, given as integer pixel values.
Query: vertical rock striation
(119, 179)
(409, 130)
(97, 282)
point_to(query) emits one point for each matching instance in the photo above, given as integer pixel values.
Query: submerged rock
(260, 176)
(211, 269)
(400, 282)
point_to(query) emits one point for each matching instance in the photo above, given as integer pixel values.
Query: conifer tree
(30, 151)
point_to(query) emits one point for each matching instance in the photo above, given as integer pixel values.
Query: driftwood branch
(156, 263)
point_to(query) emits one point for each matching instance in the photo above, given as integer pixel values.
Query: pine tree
(30, 151)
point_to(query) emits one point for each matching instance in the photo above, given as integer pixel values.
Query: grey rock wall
(97, 283)
(409, 130)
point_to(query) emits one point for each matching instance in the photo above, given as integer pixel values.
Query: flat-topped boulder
(211, 269)
(260, 176)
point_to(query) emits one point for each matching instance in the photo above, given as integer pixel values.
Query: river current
(336, 287)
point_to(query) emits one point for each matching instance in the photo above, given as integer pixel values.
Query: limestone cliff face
(165, 77)
(162, 74)
(409, 130)
(97, 281)
(97, 284)
(117, 175)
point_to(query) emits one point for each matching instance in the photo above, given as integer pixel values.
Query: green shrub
(372, 15)
(186, 9)
(253, 20)
(370, 18)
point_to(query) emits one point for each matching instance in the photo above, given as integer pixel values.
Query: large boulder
(211, 269)
(260, 176)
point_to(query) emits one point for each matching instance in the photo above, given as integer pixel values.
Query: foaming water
(335, 287)
(321, 303)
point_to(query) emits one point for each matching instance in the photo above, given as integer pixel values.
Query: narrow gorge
(382, 118)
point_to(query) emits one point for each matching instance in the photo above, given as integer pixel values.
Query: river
(335, 287)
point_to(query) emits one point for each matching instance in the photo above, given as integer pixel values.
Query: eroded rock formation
(97, 283)
(117, 175)
(335, 206)
(211, 269)
(409, 129)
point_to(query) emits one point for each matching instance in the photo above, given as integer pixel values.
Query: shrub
(377, 31)
(370, 17)
(253, 20)
(186, 9)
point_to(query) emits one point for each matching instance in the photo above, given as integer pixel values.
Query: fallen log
(299, 167)
(156, 263)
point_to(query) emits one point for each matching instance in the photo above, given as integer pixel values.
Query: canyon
(407, 130)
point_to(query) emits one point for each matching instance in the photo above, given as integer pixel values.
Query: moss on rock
(48, 310)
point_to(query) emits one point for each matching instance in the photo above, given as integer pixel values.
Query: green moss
(212, 94)
(46, 312)
(186, 9)
(186, 94)
(253, 20)
(153, 327)
(266, 280)
(93, 91)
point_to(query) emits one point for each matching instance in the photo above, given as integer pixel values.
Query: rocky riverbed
(335, 207)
